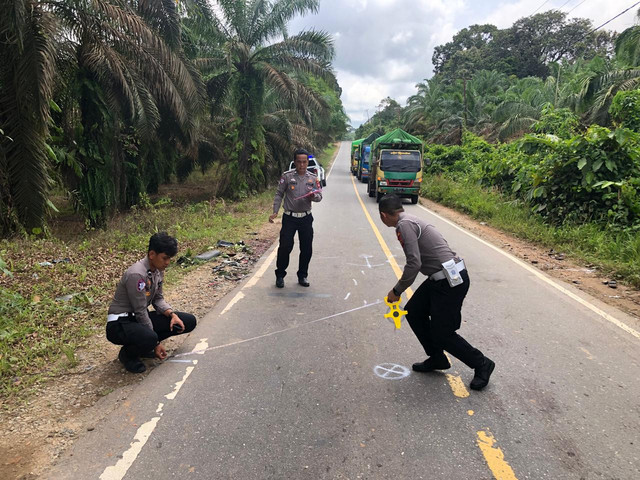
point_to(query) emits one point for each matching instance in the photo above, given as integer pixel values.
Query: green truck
(363, 167)
(355, 155)
(396, 166)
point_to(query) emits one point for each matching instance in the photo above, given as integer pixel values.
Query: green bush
(625, 109)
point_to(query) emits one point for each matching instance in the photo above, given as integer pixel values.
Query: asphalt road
(315, 383)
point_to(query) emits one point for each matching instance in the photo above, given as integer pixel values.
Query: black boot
(431, 364)
(133, 365)
(483, 372)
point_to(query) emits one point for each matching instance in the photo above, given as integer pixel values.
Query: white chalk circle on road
(391, 371)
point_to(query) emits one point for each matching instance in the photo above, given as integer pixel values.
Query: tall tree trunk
(250, 109)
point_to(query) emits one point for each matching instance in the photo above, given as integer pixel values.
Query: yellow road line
(494, 457)
(394, 265)
(457, 385)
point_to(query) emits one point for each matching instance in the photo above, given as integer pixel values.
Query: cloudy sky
(384, 47)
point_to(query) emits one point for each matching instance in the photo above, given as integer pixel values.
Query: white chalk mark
(348, 295)
(259, 337)
(355, 281)
(119, 470)
(362, 272)
(391, 371)
(179, 384)
(368, 265)
(365, 302)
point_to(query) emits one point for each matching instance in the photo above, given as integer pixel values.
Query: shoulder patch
(281, 179)
(141, 285)
(400, 239)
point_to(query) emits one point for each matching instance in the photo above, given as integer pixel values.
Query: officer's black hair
(300, 151)
(390, 204)
(161, 242)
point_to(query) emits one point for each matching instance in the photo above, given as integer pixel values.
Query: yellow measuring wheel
(395, 312)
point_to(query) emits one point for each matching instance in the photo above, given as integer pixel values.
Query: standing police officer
(434, 310)
(129, 323)
(298, 189)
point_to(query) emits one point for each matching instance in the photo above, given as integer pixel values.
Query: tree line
(107, 99)
(554, 124)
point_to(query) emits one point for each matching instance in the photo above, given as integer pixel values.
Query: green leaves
(584, 178)
(582, 163)
(4, 268)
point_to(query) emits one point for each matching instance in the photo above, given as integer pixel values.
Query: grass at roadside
(615, 252)
(40, 331)
(328, 155)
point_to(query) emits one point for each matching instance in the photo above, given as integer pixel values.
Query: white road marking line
(263, 268)
(119, 470)
(239, 296)
(179, 383)
(201, 345)
(334, 161)
(542, 277)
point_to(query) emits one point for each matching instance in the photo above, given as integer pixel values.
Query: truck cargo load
(396, 166)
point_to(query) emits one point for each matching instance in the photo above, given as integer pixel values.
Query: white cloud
(598, 11)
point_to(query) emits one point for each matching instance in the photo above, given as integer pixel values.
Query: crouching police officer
(298, 189)
(129, 323)
(434, 310)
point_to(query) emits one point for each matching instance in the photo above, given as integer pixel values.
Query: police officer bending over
(434, 309)
(298, 189)
(129, 323)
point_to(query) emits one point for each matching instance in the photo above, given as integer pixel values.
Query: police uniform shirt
(293, 186)
(139, 287)
(425, 248)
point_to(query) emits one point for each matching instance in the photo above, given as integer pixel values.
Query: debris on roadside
(53, 262)
(208, 255)
(66, 298)
(235, 269)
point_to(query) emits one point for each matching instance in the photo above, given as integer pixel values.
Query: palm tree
(251, 52)
(123, 73)
(132, 77)
(27, 80)
(602, 80)
(523, 105)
